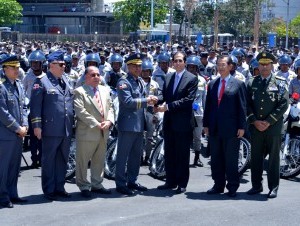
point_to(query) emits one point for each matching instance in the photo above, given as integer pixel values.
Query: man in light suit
(13, 128)
(95, 115)
(179, 92)
(225, 121)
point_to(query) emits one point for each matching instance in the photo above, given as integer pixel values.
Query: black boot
(197, 161)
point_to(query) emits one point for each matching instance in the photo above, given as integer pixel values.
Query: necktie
(16, 87)
(98, 101)
(61, 84)
(176, 81)
(264, 82)
(221, 91)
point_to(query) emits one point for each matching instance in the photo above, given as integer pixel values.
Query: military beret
(134, 59)
(13, 61)
(265, 58)
(56, 56)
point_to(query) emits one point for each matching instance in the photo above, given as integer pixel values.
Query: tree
(133, 12)
(203, 17)
(10, 12)
(295, 26)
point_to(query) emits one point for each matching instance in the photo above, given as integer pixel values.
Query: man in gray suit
(94, 113)
(131, 121)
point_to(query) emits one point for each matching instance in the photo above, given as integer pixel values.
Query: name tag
(51, 91)
(273, 88)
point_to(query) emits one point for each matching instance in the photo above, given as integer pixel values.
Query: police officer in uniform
(112, 77)
(131, 121)
(267, 102)
(294, 86)
(207, 69)
(52, 119)
(13, 128)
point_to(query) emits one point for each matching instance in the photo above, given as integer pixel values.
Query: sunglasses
(178, 61)
(60, 64)
(95, 75)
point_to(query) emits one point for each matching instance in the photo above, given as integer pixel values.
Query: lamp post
(287, 24)
(152, 14)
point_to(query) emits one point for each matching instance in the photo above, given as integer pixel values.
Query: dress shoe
(50, 196)
(214, 190)
(124, 190)
(63, 194)
(198, 163)
(7, 204)
(18, 200)
(272, 194)
(86, 193)
(166, 186)
(137, 186)
(34, 165)
(254, 190)
(231, 194)
(180, 190)
(102, 191)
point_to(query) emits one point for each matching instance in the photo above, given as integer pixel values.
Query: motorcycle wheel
(157, 161)
(244, 155)
(110, 159)
(290, 161)
(71, 166)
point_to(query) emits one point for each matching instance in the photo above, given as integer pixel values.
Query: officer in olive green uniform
(267, 102)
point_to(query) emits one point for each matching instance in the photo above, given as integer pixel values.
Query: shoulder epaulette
(280, 77)
(41, 76)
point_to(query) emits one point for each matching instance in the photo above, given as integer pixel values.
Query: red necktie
(221, 91)
(98, 100)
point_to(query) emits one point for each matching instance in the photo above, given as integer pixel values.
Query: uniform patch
(123, 86)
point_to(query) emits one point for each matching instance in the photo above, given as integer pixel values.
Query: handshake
(151, 100)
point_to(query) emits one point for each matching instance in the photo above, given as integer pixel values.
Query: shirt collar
(180, 73)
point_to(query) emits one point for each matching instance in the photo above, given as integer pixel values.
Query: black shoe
(50, 196)
(18, 200)
(272, 194)
(166, 186)
(34, 165)
(231, 194)
(102, 191)
(7, 204)
(214, 190)
(198, 163)
(254, 190)
(63, 194)
(124, 191)
(180, 190)
(137, 186)
(86, 194)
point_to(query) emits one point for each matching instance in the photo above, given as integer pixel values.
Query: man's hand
(38, 133)
(152, 100)
(161, 108)
(22, 131)
(105, 125)
(261, 125)
(206, 131)
(240, 133)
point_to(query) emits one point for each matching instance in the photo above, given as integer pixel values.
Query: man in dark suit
(178, 94)
(52, 118)
(13, 128)
(225, 121)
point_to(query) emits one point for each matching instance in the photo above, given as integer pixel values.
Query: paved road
(156, 207)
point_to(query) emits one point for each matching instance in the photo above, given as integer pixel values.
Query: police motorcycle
(290, 148)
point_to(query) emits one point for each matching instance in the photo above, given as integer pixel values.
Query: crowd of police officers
(31, 70)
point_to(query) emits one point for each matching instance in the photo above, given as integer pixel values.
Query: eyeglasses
(60, 64)
(95, 75)
(178, 61)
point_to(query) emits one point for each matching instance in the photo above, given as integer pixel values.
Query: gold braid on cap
(135, 61)
(12, 63)
(265, 61)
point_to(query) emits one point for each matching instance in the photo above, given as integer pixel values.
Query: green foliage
(203, 17)
(133, 12)
(295, 25)
(10, 12)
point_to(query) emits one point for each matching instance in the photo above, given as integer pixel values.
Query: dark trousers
(263, 144)
(224, 162)
(35, 144)
(177, 157)
(54, 163)
(10, 161)
(129, 153)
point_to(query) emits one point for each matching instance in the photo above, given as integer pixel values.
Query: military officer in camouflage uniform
(13, 128)
(267, 102)
(131, 121)
(52, 117)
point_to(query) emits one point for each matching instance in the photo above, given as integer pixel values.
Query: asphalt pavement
(155, 207)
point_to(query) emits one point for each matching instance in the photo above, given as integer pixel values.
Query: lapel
(11, 88)
(229, 85)
(170, 84)
(54, 82)
(90, 95)
(66, 84)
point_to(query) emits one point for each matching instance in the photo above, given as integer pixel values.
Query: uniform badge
(36, 86)
(273, 88)
(123, 86)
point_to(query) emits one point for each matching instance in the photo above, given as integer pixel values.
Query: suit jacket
(132, 104)
(51, 108)
(88, 113)
(225, 120)
(12, 111)
(179, 116)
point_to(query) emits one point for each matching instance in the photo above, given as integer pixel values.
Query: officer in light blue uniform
(131, 121)
(52, 118)
(13, 127)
